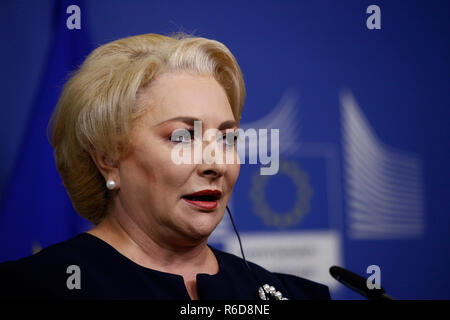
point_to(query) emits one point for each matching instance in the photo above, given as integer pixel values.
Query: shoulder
(304, 287)
(51, 255)
(36, 275)
(295, 287)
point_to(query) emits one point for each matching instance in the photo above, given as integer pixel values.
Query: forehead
(182, 94)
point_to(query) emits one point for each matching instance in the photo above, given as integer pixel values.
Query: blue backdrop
(363, 118)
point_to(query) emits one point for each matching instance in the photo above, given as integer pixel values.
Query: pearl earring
(111, 184)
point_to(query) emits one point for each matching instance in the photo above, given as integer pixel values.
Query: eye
(230, 138)
(182, 135)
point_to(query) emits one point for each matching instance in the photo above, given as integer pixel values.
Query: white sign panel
(307, 254)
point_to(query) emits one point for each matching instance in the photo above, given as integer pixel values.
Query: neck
(144, 249)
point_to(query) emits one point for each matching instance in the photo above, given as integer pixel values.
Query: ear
(108, 168)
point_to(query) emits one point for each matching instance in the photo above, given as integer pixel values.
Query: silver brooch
(267, 290)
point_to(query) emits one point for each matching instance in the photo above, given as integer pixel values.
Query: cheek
(139, 169)
(158, 172)
(137, 173)
(172, 176)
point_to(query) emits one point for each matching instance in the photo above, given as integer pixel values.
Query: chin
(200, 229)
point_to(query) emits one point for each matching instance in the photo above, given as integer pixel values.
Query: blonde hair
(99, 104)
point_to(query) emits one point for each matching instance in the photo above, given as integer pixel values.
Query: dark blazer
(107, 274)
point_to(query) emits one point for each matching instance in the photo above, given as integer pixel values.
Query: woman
(113, 135)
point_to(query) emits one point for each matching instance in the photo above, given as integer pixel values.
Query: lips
(204, 199)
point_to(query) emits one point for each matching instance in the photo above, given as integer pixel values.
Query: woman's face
(152, 186)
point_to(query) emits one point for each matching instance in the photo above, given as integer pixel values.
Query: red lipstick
(204, 199)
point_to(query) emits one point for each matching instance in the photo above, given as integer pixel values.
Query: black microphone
(358, 284)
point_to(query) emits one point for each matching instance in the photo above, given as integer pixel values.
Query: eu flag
(35, 210)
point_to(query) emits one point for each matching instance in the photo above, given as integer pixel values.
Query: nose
(211, 171)
(209, 168)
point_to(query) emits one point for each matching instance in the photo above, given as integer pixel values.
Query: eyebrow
(190, 121)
